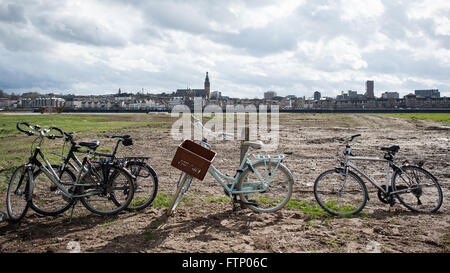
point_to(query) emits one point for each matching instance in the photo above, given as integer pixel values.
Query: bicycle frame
(51, 173)
(389, 165)
(220, 177)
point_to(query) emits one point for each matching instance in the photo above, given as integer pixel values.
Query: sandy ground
(311, 143)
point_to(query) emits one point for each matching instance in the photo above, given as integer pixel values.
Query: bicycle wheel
(339, 194)
(18, 194)
(146, 185)
(420, 190)
(183, 185)
(110, 197)
(47, 198)
(271, 199)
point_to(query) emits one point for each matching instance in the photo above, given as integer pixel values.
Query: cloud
(248, 47)
(11, 12)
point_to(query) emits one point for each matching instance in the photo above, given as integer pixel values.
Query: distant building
(369, 90)
(269, 95)
(390, 95)
(216, 95)
(188, 92)
(349, 95)
(317, 95)
(42, 102)
(432, 93)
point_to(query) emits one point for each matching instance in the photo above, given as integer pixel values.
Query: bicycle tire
(184, 177)
(336, 205)
(146, 186)
(267, 202)
(104, 192)
(18, 194)
(424, 204)
(46, 194)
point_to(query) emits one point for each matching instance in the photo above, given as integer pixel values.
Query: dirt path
(204, 222)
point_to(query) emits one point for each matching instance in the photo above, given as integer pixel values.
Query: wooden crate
(193, 159)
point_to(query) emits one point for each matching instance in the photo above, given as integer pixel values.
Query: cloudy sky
(248, 47)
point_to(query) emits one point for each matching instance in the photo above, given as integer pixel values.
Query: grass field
(15, 147)
(440, 117)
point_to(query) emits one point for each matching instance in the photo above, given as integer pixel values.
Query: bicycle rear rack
(278, 157)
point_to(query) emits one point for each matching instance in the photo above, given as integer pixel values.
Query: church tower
(207, 87)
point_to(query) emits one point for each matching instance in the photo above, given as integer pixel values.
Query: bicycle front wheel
(18, 194)
(419, 190)
(340, 194)
(47, 198)
(269, 192)
(107, 196)
(146, 185)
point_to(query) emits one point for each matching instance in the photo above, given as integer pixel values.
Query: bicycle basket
(193, 159)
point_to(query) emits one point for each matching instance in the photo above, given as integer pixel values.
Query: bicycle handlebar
(38, 129)
(29, 133)
(51, 136)
(353, 137)
(122, 137)
(197, 122)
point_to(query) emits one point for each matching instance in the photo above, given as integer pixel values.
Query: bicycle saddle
(392, 149)
(91, 144)
(254, 144)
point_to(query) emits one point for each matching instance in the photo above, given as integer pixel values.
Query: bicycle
(145, 187)
(145, 177)
(55, 191)
(341, 192)
(262, 186)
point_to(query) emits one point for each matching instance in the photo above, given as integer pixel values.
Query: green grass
(162, 200)
(15, 147)
(439, 117)
(107, 224)
(217, 200)
(312, 209)
(150, 236)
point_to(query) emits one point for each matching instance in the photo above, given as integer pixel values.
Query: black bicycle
(52, 189)
(145, 177)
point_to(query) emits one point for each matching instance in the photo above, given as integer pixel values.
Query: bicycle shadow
(382, 214)
(32, 227)
(204, 229)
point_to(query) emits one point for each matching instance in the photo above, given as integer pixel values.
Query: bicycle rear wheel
(18, 194)
(108, 197)
(419, 190)
(339, 194)
(146, 185)
(183, 185)
(47, 198)
(275, 196)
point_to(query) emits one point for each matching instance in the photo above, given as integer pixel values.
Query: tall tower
(369, 90)
(207, 86)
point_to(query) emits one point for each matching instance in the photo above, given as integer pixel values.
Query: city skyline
(248, 47)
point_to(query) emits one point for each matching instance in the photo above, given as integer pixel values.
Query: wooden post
(244, 148)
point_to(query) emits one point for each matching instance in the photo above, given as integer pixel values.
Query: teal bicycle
(262, 185)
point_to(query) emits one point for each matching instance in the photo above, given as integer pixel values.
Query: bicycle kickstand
(235, 201)
(71, 212)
